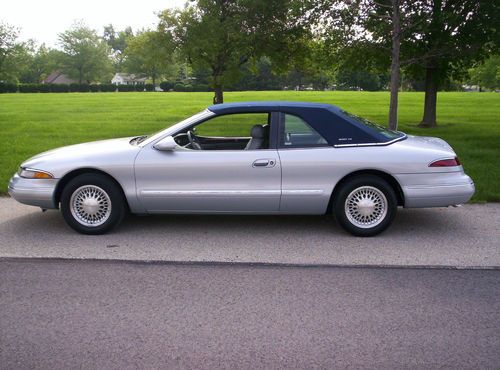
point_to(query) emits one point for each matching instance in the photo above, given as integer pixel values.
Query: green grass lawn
(32, 123)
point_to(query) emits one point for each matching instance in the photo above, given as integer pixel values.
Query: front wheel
(365, 205)
(92, 204)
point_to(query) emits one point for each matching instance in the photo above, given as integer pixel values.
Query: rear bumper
(439, 195)
(33, 192)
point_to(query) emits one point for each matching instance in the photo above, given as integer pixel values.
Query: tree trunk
(218, 94)
(396, 44)
(80, 75)
(431, 88)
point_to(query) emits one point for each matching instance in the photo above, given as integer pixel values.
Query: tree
(395, 65)
(86, 55)
(351, 30)
(39, 63)
(149, 52)
(439, 39)
(13, 54)
(223, 35)
(117, 41)
(8, 37)
(451, 36)
(487, 74)
(360, 80)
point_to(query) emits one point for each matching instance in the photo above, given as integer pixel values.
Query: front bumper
(440, 194)
(33, 192)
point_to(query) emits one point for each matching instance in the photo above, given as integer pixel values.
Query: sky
(43, 20)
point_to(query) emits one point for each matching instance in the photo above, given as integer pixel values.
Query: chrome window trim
(371, 144)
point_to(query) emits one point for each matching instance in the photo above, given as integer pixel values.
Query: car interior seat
(259, 137)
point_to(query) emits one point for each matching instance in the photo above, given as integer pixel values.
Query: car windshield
(390, 134)
(150, 138)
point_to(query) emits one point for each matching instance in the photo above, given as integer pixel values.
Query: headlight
(30, 173)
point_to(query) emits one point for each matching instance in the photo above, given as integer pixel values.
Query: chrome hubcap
(366, 207)
(90, 205)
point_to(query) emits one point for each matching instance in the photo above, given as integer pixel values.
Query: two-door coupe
(249, 158)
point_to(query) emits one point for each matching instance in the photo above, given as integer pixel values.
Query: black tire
(365, 185)
(112, 197)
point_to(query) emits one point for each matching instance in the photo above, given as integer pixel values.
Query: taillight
(445, 162)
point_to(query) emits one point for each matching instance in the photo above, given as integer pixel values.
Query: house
(57, 77)
(128, 79)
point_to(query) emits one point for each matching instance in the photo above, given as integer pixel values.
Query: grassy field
(31, 123)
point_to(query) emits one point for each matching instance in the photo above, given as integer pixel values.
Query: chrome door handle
(264, 163)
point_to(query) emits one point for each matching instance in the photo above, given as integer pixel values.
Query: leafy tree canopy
(150, 53)
(86, 55)
(223, 35)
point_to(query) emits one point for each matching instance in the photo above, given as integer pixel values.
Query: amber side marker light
(445, 162)
(29, 173)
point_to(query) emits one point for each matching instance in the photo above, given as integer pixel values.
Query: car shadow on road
(431, 221)
(441, 236)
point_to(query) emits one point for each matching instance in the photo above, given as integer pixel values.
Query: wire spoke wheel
(366, 207)
(90, 205)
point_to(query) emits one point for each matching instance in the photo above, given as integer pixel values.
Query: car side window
(296, 133)
(232, 125)
(238, 131)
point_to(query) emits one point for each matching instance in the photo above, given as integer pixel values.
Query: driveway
(463, 237)
(107, 315)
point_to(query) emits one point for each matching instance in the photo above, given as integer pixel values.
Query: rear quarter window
(385, 132)
(297, 133)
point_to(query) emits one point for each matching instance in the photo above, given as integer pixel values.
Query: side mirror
(166, 144)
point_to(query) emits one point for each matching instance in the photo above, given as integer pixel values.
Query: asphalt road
(116, 315)
(467, 236)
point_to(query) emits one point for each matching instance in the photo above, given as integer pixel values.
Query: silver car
(249, 158)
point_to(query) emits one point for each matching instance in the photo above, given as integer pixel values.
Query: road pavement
(467, 236)
(116, 315)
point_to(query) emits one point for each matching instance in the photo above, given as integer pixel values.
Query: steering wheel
(194, 141)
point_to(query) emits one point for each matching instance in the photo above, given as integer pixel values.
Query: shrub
(179, 87)
(125, 88)
(149, 87)
(201, 87)
(43, 88)
(6, 87)
(95, 88)
(166, 85)
(29, 88)
(139, 88)
(74, 87)
(108, 87)
(59, 88)
(83, 88)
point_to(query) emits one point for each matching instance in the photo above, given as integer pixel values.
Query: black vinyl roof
(337, 127)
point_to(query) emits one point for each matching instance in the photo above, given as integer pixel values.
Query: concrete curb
(244, 264)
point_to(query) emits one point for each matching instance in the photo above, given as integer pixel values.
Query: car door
(308, 167)
(184, 180)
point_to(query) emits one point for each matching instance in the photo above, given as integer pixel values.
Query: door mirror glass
(165, 144)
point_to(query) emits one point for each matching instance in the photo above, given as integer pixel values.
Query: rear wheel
(365, 205)
(92, 204)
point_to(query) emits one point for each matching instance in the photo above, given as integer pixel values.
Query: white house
(127, 79)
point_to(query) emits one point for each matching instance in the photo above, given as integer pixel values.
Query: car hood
(93, 154)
